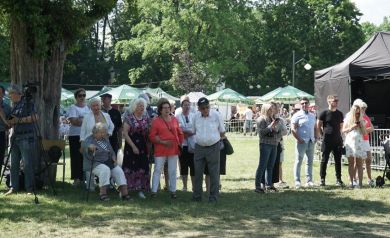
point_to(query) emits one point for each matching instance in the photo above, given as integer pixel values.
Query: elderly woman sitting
(99, 155)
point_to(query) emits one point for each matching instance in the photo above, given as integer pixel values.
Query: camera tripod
(27, 105)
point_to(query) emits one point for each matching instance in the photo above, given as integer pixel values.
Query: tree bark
(46, 71)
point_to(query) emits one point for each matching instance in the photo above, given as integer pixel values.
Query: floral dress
(354, 144)
(136, 167)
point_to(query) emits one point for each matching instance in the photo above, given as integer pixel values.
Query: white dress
(354, 144)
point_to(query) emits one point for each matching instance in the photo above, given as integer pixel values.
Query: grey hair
(99, 127)
(93, 100)
(133, 104)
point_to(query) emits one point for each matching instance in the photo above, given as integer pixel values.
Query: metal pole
(293, 69)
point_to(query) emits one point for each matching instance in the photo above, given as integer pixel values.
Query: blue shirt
(305, 123)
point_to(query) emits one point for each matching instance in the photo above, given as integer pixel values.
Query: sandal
(104, 198)
(127, 198)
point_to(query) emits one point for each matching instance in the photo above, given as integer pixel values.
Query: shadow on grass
(319, 213)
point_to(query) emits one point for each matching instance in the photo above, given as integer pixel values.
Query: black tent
(365, 74)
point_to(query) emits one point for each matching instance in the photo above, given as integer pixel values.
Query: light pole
(307, 67)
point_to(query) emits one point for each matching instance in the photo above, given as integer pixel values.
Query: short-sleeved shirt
(207, 129)
(248, 114)
(368, 124)
(7, 112)
(305, 122)
(331, 121)
(76, 112)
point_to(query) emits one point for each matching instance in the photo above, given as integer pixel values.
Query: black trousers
(76, 158)
(336, 149)
(3, 145)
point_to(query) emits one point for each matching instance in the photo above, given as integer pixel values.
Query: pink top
(166, 131)
(368, 124)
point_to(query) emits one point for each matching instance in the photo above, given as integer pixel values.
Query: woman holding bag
(167, 138)
(186, 158)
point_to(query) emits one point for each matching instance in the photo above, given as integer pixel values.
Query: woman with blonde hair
(354, 128)
(270, 133)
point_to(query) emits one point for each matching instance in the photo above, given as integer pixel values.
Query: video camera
(29, 89)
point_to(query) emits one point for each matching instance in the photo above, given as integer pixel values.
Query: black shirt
(331, 121)
(116, 119)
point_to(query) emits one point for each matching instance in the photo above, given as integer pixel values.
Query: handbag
(190, 140)
(228, 147)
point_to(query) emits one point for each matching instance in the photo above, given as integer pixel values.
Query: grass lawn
(240, 212)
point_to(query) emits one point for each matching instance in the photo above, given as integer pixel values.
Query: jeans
(158, 165)
(24, 149)
(301, 150)
(266, 162)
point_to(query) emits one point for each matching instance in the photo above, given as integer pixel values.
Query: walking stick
(90, 175)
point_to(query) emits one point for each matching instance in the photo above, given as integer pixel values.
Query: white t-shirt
(76, 112)
(248, 114)
(185, 126)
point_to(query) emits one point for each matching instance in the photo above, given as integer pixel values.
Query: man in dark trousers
(116, 118)
(329, 124)
(5, 111)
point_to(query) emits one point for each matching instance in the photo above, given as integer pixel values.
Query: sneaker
(259, 190)
(339, 183)
(282, 185)
(141, 195)
(354, 183)
(351, 186)
(10, 192)
(184, 190)
(371, 183)
(322, 183)
(310, 184)
(173, 196)
(272, 189)
(297, 185)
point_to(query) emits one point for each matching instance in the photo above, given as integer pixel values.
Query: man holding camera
(5, 111)
(23, 140)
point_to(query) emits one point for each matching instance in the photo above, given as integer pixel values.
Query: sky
(373, 10)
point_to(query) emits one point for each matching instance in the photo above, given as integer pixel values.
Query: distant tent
(230, 96)
(102, 91)
(288, 94)
(365, 74)
(194, 96)
(158, 93)
(122, 94)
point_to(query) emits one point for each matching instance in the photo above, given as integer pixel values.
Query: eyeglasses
(303, 103)
(335, 101)
(81, 95)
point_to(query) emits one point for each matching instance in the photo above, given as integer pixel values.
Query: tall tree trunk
(47, 72)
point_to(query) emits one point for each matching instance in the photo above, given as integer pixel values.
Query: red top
(166, 130)
(368, 124)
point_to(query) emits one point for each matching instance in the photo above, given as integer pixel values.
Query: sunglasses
(81, 95)
(303, 103)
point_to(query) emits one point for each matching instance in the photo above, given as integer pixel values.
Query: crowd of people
(328, 127)
(189, 139)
